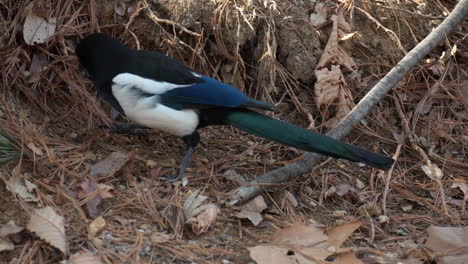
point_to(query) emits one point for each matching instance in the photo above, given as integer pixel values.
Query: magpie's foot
(171, 177)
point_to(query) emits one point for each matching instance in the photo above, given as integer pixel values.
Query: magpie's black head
(102, 56)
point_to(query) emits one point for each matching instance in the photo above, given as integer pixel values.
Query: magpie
(156, 91)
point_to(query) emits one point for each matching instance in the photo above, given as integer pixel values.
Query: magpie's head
(101, 55)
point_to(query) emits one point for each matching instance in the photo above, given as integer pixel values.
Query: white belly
(148, 112)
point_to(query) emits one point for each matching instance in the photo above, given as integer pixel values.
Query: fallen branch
(397, 73)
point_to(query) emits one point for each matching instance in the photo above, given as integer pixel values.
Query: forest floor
(77, 194)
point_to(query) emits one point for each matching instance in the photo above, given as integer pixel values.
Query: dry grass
(58, 113)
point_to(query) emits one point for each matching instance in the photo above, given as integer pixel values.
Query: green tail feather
(275, 130)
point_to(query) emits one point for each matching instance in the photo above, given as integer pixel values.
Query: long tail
(275, 130)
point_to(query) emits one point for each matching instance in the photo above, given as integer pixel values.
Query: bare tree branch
(397, 73)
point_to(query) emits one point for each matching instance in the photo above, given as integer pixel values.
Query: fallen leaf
(158, 238)
(49, 226)
(252, 210)
(105, 191)
(306, 244)
(36, 29)
(320, 15)
(205, 214)
(346, 258)
(266, 254)
(235, 177)
(463, 186)
(301, 235)
(451, 239)
(289, 197)
(256, 205)
(344, 188)
(205, 219)
(369, 208)
(6, 230)
(120, 8)
(84, 257)
(110, 165)
(34, 149)
(38, 63)
(9, 228)
(437, 172)
(445, 238)
(92, 195)
(331, 87)
(96, 226)
(338, 235)
(19, 185)
(6, 244)
(192, 205)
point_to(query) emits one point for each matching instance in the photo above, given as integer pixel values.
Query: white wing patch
(196, 75)
(144, 84)
(145, 110)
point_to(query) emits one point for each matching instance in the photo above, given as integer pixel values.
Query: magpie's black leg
(191, 141)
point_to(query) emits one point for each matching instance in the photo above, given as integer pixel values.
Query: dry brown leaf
(192, 205)
(438, 172)
(463, 186)
(110, 165)
(445, 238)
(49, 226)
(34, 149)
(105, 191)
(6, 244)
(205, 214)
(346, 258)
(339, 234)
(331, 86)
(266, 254)
(158, 238)
(96, 226)
(36, 29)
(120, 8)
(84, 257)
(300, 243)
(7, 229)
(91, 193)
(38, 63)
(254, 217)
(327, 86)
(252, 210)
(320, 15)
(301, 235)
(22, 187)
(442, 239)
(205, 219)
(94, 192)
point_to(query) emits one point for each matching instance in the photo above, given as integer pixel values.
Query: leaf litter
(60, 165)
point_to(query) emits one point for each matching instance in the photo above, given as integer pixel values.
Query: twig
(158, 20)
(389, 177)
(300, 167)
(421, 152)
(392, 34)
